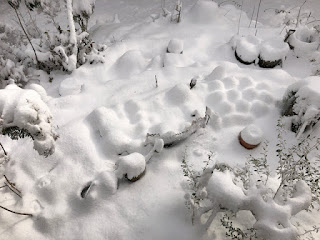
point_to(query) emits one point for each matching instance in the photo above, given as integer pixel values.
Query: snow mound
(179, 94)
(203, 12)
(175, 46)
(176, 60)
(275, 49)
(218, 73)
(252, 135)
(39, 89)
(130, 63)
(26, 110)
(248, 48)
(105, 184)
(70, 86)
(131, 166)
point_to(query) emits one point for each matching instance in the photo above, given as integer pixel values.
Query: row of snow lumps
(250, 48)
(24, 108)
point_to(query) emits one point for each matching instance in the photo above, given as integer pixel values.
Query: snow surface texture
(252, 135)
(114, 110)
(302, 100)
(26, 110)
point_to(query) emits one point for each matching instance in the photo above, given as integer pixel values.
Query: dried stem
(5, 153)
(35, 54)
(26, 214)
(300, 12)
(255, 26)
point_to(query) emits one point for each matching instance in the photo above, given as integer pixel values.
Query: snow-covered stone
(132, 166)
(175, 46)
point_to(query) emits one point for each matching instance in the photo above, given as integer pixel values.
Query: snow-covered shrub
(60, 49)
(301, 103)
(221, 188)
(82, 10)
(10, 70)
(12, 59)
(23, 112)
(55, 51)
(304, 41)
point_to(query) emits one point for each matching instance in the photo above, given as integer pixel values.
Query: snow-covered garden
(159, 119)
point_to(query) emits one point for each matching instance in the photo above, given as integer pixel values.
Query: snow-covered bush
(59, 49)
(82, 10)
(55, 51)
(221, 188)
(23, 113)
(10, 70)
(301, 103)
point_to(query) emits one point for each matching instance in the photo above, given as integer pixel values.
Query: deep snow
(104, 112)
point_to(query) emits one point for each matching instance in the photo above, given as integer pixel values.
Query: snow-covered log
(171, 138)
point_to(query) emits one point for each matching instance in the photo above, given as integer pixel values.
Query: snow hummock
(24, 108)
(273, 49)
(252, 135)
(248, 48)
(175, 46)
(131, 165)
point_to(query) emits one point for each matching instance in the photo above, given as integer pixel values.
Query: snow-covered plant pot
(301, 103)
(247, 49)
(132, 167)
(250, 137)
(272, 53)
(304, 41)
(175, 46)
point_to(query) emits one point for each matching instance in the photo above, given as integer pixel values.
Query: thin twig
(240, 18)
(299, 13)
(35, 54)
(26, 214)
(5, 153)
(255, 26)
(4, 186)
(254, 8)
(11, 184)
(13, 190)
